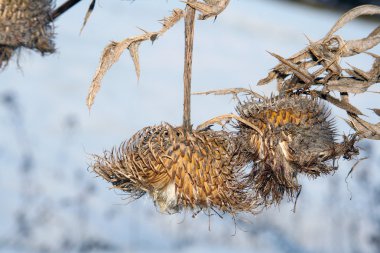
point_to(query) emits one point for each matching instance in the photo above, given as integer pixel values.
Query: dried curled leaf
(210, 8)
(227, 117)
(377, 111)
(113, 51)
(316, 70)
(364, 129)
(362, 10)
(233, 91)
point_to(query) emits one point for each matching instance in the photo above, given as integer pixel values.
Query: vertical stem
(189, 38)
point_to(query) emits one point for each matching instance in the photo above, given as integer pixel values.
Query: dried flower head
(298, 137)
(198, 171)
(25, 23)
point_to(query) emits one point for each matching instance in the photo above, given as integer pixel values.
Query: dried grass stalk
(25, 24)
(113, 51)
(180, 170)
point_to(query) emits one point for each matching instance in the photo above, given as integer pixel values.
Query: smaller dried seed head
(198, 170)
(298, 137)
(25, 23)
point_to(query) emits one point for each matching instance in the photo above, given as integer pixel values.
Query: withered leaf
(377, 111)
(271, 76)
(354, 47)
(226, 117)
(233, 91)
(113, 51)
(358, 73)
(133, 50)
(367, 9)
(364, 128)
(211, 8)
(348, 85)
(339, 103)
(297, 70)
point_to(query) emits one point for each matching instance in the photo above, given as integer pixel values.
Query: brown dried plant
(299, 137)
(272, 141)
(293, 75)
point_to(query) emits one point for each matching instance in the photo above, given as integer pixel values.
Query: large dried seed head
(25, 23)
(198, 170)
(297, 138)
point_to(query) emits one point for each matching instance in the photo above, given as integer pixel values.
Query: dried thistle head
(198, 171)
(298, 137)
(25, 23)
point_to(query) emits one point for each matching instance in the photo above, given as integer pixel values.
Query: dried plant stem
(63, 8)
(189, 39)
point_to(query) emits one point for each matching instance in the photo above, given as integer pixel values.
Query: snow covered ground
(50, 202)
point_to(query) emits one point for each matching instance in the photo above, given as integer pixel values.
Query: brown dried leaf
(377, 111)
(301, 73)
(341, 104)
(113, 51)
(364, 128)
(350, 85)
(375, 32)
(233, 91)
(374, 73)
(134, 52)
(367, 9)
(169, 22)
(354, 47)
(88, 14)
(211, 8)
(227, 117)
(358, 73)
(270, 77)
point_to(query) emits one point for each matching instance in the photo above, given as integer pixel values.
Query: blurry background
(50, 202)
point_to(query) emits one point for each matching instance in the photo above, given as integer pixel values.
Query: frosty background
(50, 202)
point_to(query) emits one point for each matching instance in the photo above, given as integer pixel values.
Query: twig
(189, 39)
(63, 8)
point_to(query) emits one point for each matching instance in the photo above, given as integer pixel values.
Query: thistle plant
(255, 162)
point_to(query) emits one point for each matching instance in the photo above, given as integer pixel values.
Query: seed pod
(298, 137)
(25, 23)
(198, 171)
